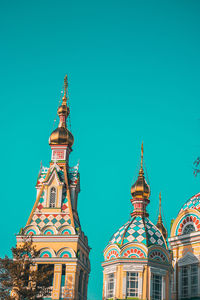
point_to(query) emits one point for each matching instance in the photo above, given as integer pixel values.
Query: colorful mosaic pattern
(31, 232)
(46, 254)
(66, 254)
(113, 253)
(186, 220)
(140, 230)
(42, 175)
(158, 255)
(153, 234)
(42, 220)
(193, 202)
(134, 252)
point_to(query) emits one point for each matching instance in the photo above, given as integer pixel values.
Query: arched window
(52, 199)
(188, 229)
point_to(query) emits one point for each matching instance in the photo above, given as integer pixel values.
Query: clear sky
(134, 75)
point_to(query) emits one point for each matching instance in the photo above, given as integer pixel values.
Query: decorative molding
(188, 259)
(133, 267)
(110, 269)
(157, 271)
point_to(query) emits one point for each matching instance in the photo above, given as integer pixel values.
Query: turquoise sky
(134, 74)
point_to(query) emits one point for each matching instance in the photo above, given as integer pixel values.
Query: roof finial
(160, 204)
(142, 153)
(159, 224)
(65, 89)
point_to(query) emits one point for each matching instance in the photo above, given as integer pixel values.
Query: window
(52, 200)
(184, 282)
(156, 287)
(132, 284)
(189, 281)
(194, 280)
(188, 229)
(110, 285)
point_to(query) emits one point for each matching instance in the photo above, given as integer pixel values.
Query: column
(163, 288)
(145, 280)
(139, 284)
(124, 285)
(69, 290)
(57, 281)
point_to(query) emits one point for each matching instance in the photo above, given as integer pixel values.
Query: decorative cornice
(184, 239)
(55, 239)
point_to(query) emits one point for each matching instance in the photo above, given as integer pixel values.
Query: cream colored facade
(137, 261)
(185, 244)
(54, 224)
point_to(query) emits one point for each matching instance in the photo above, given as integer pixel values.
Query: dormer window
(52, 199)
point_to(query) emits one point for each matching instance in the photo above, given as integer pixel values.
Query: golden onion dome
(140, 187)
(61, 135)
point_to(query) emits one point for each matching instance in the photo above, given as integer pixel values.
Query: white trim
(60, 197)
(139, 285)
(133, 268)
(115, 280)
(163, 287)
(188, 259)
(105, 288)
(184, 236)
(111, 269)
(157, 271)
(44, 204)
(124, 287)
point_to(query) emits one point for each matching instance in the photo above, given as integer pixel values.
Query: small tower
(136, 260)
(159, 224)
(140, 192)
(54, 224)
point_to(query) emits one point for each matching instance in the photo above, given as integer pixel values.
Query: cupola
(140, 192)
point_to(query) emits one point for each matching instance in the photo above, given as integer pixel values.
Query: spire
(64, 99)
(159, 224)
(61, 135)
(159, 215)
(142, 154)
(140, 191)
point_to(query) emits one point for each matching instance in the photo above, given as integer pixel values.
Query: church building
(185, 245)
(54, 223)
(137, 262)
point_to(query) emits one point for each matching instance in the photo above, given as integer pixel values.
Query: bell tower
(54, 223)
